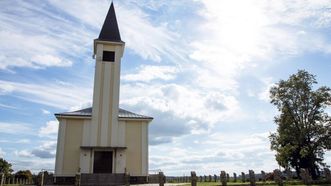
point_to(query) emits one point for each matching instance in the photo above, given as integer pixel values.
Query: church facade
(103, 138)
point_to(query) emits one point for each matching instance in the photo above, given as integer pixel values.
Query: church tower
(103, 139)
(108, 51)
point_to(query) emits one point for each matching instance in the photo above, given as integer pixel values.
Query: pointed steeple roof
(110, 31)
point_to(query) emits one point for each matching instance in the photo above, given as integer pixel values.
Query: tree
(304, 128)
(5, 167)
(24, 174)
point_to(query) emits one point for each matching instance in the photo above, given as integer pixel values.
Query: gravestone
(278, 177)
(205, 178)
(243, 177)
(252, 178)
(327, 174)
(234, 177)
(215, 178)
(194, 178)
(305, 176)
(209, 178)
(161, 179)
(223, 178)
(263, 176)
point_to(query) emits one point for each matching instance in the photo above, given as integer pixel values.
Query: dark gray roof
(88, 113)
(110, 31)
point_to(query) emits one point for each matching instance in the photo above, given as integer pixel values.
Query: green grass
(244, 184)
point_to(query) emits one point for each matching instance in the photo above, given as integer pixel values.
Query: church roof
(110, 31)
(87, 112)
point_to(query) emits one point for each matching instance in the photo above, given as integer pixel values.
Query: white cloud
(46, 150)
(232, 152)
(50, 94)
(184, 102)
(239, 36)
(50, 130)
(50, 60)
(2, 153)
(160, 41)
(23, 154)
(46, 112)
(263, 92)
(148, 73)
(33, 164)
(15, 128)
(21, 141)
(35, 42)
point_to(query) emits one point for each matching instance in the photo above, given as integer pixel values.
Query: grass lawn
(243, 184)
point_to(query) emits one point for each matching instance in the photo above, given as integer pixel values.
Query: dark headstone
(252, 178)
(243, 177)
(223, 178)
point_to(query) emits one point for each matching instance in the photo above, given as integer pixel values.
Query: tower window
(108, 56)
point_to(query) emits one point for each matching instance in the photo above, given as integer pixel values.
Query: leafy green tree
(5, 167)
(304, 128)
(24, 174)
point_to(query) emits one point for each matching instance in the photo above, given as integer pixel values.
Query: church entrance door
(103, 162)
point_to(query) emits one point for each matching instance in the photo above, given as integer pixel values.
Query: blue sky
(201, 68)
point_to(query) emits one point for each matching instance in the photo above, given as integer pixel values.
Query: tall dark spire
(110, 31)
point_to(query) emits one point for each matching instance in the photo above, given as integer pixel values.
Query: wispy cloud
(55, 95)
(22, 141)
(6, 106)
(149, 73)
(15, 128)
(161, 42)
(46, 112)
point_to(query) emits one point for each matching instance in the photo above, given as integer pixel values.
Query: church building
(103, 138)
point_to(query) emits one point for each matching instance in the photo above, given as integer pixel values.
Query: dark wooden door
(103, 162)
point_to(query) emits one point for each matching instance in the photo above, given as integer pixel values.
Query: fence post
(193, 178)
(252, 178)
(127, 179)
(77, 179)
(161, 179)
(223, 178)
(42, 179)
(2, 178)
